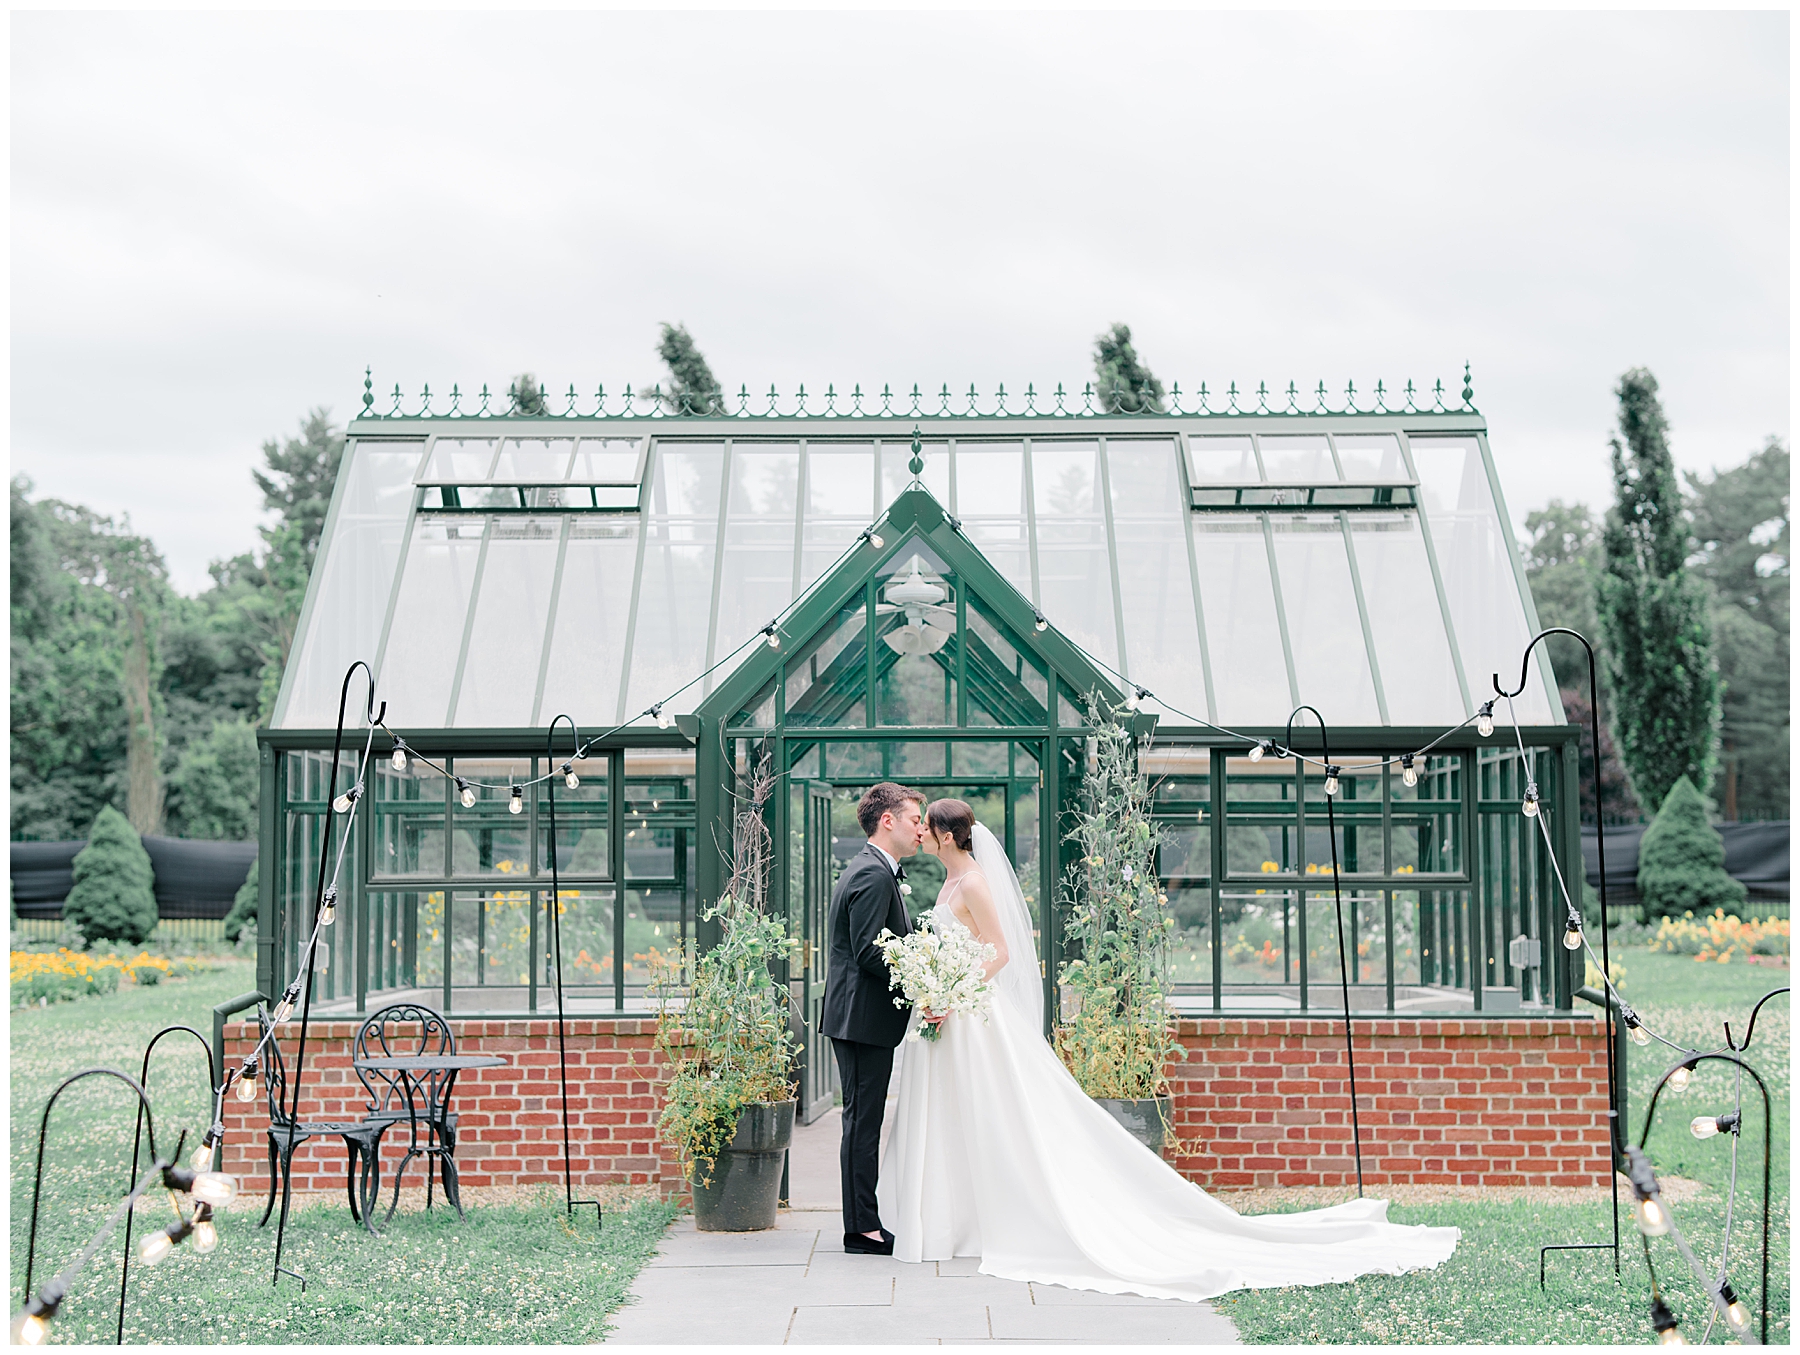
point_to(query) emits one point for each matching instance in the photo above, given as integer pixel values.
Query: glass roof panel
(1371, 458)
(757, 580)
(533, 460)
(1475, 557)
(1243, 633)
(989, 489)
(1417, 672)
(512, 610)
(604, 461)
(1223, 460)
(1162, 639)
(354, 577)
(424, 645)
(458, 461)
(1331, 661)
(593, 605)
(1297, 460)
(677, 584)
(1075, 564)
(840, 502)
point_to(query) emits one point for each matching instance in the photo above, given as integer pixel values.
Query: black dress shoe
(868, 1246)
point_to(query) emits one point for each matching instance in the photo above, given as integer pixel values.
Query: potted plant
(729, 1104)
(1117, 1031)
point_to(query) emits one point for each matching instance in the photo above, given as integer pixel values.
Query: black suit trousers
(864, 1070)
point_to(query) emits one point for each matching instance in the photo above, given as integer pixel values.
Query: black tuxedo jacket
(859, 1005)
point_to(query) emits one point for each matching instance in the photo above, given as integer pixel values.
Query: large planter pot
(1144, 1119)
(745, 1184)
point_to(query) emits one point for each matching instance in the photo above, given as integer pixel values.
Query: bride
(997, 1152)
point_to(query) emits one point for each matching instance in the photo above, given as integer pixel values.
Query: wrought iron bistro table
(420, 1072)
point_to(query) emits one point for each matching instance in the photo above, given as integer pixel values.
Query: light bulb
(328, 908)
(343, 802)
(516, 805)
(1409, 774)
(1640, 1036)
(1331, 780)
(1737, 1312)
(572, 781)
(32, 1330)
(468, 793)
(206, 1237)
(153, 1248)
(1132, 702)
(774, 637)
(1530, 807)
(1679, 1079)
(1038, 623)
(214, 1188)
(246, 1084)
(1256, 751)
(1662, 1322)
(663, 721)
(1484, 721)
(284, 1011)
(1704, 1126)
(876, 541)
(1652, 1218)
(201, 1158)
(398, 760)
(1572, 936)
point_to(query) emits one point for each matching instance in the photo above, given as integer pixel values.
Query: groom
(859, 1012)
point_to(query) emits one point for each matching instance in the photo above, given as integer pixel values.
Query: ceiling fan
(930, 622)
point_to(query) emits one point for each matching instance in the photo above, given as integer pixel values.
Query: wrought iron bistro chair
(361, 1139)
(408, 1029)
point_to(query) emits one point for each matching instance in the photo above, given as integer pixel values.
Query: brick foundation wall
(1259, 1103)
(1493, 1102)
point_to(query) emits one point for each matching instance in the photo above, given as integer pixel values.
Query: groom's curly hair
(878, 799)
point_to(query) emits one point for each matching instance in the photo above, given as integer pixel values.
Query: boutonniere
(906, 889)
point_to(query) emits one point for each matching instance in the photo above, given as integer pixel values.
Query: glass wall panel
(602, 461)
(418, 667)
(1162, 638)
(458, 461)
(534, 460)
(757, 580)
(1297, 460)
(512, 609)
(1367, 457)
(1259, 931)
(1075, 566)
(990, 500)
(391, 933)
(1475, 559)
(1223, 461)
(489, 839)
(1243, 633)
(587, 638)
(676, 587)
(840, 501)
(585, 917)
(431, 931)
(896, 477)
(1331, 661)
(827, 683)
(409, 816)
(1417, 672)
(1006, 686)
(355, 579)
(582, 822)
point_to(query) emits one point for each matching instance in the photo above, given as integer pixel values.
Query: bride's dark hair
(955, 818)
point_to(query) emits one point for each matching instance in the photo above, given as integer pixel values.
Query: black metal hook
(1751, 1029)
(1324, 736)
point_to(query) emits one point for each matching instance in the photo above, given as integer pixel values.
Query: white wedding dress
(996, 1152)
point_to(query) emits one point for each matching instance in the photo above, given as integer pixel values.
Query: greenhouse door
(818, 1070)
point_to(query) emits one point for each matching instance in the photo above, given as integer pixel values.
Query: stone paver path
(794, 1285)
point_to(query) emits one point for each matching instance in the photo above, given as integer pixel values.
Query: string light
(33, 1325)
(516, 805)
(1572, 931)
(398, 760)
(206, 1236)
(467, 795)
(1679, 1079)
(284, 1009)
(572, 781)
(1663, 1322)
(343, 802)
(214, 1188)
(1484, 719)
(163, 1241)
(1737, 1312)
(1261, 749)
(246, 1082)
(1331, 780)
(1634, 1024)
(1530, 807)
(1705, 1126)
(1135, 701)
(1409, 774)
(773, 635)
(656, 713)
(1652, 1217)
(328, 907)
(1038, 623)
(873, 537)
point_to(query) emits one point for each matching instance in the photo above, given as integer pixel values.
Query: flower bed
(62, 975)
(1722, 938)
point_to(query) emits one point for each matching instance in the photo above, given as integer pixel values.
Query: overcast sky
(219, 219)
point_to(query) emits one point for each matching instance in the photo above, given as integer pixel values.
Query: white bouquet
(939, 972)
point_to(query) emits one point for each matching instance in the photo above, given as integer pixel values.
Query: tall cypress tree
(1123, 383)
(693, 389)
(1653, 610)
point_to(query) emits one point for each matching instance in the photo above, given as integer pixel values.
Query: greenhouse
(934, 598)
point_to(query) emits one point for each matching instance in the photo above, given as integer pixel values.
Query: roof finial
(1468, 388)
(368, 389)
(917, 464)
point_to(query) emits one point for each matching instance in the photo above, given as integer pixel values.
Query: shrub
(243, 908)
(114, 896)
(1681, 861)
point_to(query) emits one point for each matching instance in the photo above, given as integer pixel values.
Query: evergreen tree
(300, 475)
(693, 389)
(528, 397)
(114, 895)
(1123, 383)
(213, 790)
(1653, 612)
(243, 908)
(1681, 860)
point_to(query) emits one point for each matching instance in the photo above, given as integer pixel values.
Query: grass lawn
(511, 1273)
(1488, 1292)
